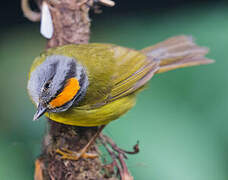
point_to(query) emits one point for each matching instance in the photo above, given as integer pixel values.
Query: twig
(116, 148)
(118, 155)
(114, 162)
(28, 13)
(124, 174)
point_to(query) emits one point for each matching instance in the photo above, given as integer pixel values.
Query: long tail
(177, 52)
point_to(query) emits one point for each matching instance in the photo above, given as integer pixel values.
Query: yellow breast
(94, 117)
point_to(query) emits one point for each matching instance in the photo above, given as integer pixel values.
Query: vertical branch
(71, 26)
(71, 22)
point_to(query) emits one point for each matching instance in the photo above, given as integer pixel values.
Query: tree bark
(71, 22)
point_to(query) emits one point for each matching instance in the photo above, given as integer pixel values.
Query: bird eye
(46, 85)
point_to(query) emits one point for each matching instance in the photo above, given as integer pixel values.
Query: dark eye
(46, 85)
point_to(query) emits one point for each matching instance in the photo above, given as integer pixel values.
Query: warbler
(94, 84)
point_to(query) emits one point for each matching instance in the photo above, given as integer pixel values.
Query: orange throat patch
(68, 93)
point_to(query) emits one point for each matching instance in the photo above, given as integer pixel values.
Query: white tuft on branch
(46, 25)
(107, 2)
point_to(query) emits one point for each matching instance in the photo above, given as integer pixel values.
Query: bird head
(57, 84)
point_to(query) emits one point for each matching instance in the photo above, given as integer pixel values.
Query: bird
(93, 84)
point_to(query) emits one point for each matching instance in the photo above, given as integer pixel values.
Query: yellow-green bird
(94, 84)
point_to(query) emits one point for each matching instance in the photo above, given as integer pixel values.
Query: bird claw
(72, 155)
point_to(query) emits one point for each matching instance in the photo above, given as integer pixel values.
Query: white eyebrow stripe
(46, 26)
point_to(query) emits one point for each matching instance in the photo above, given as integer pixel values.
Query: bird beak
(40, 111)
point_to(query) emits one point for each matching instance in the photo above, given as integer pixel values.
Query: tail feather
(177, 52)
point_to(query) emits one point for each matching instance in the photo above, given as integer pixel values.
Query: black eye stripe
(53, 71)
(72, 70)
(82, 78)
(71, 73)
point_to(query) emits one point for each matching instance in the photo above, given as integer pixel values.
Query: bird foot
(72, 155)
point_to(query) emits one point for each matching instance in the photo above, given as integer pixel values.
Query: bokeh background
(181, 120)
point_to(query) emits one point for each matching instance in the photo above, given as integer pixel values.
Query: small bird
(94, 84)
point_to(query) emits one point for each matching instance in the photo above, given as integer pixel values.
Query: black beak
(40, 111)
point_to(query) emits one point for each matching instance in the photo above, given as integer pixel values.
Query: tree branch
(50, 165)
(31, 15)
(71, 22)
(71, 26)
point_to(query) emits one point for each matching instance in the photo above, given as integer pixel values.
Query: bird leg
(118, 156)
(72, 155)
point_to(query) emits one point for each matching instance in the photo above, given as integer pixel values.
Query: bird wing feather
(134, 69)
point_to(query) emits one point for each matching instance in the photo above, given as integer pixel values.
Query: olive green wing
(133, 71)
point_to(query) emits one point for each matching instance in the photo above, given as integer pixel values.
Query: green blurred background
(181, 119)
